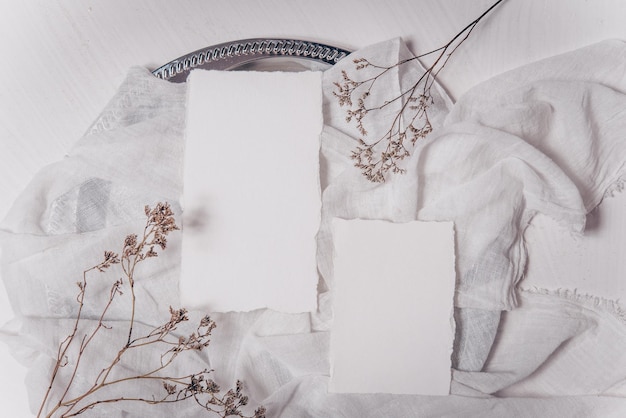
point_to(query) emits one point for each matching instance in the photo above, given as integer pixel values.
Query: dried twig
(411, 123)
(197, 386)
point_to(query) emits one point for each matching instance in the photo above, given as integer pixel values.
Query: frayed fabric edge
(593, 302)
(616, 187)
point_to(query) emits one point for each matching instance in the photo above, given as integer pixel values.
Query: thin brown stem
(159, 223)
(64, 346)
(383, 155)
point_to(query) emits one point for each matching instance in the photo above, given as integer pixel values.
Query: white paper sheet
(393, 328)
(251, 193)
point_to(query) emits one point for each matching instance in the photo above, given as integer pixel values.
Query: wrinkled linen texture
(546, 138)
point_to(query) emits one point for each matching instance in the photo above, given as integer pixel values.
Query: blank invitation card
(251, 195)
(393, 328)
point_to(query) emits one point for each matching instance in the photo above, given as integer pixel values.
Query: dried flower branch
(198, 386)
(411, 123)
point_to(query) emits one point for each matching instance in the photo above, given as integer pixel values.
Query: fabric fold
(570, 107)
(546, 138)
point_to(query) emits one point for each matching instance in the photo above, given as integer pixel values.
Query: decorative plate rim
(234, 54)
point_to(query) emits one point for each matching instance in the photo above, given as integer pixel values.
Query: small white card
(393, 328)
(251, 191)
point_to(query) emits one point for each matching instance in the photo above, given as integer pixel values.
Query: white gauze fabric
(483, 172)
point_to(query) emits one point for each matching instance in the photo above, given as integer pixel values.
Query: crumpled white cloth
(545, 138)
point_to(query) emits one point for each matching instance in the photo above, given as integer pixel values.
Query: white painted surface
(62, 60)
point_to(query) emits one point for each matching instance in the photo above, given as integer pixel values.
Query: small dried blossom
(178, 315)
(160, 240)
(212, 387)
(162, 216)
(260, 412)
(169, 388)
(151, 252)
(131, 240)
(207, 322)
(110, 258)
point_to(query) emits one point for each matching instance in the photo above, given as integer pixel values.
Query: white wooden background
(63, 59)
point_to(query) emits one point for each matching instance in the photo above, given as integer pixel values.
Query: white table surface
(63, 60)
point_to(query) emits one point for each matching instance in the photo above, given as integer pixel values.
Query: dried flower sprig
(198, 386)
(378, 158)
